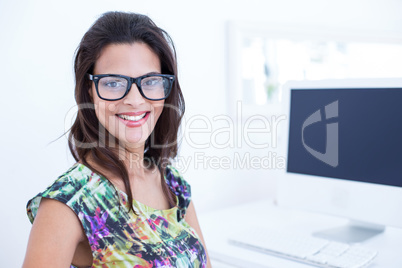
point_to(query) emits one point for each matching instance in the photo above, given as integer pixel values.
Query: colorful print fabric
(118, 238)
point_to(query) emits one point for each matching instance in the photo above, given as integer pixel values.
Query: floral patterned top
(118, 238)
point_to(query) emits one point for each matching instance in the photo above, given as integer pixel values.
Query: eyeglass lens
(153, 87)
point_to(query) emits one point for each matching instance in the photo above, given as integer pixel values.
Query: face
(124, 119)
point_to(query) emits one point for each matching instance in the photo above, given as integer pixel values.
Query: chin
(132, 138)
(133, 142)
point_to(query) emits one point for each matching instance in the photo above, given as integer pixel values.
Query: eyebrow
(150, 73)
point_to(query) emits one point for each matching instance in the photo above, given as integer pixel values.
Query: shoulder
(73, 188)
(176, 182)
(54, 217)
(53, 223)
(180, 187)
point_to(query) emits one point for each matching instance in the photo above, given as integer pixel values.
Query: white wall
(38, 39)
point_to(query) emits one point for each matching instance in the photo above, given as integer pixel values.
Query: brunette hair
(87, 137)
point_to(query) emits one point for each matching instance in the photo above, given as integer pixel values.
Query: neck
(133, 159)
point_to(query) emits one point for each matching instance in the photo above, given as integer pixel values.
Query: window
(261, 60)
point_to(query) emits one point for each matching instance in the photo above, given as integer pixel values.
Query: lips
(133, 119)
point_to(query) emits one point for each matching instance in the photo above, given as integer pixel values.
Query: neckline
(119, 191)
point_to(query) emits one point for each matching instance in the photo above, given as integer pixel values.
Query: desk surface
(219, 225)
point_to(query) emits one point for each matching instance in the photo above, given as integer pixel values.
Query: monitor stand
(354, 232)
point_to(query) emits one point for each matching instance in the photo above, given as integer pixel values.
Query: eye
(152, 81)
(112, 83)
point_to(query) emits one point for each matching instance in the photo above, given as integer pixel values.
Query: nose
(134, 96)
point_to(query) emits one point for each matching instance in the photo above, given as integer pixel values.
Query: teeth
(132, 118)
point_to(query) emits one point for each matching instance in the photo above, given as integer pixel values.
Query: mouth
(133, 118)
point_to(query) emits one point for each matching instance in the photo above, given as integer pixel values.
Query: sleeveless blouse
(119, 238)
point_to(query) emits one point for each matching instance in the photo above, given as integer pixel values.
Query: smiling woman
(126, 114)
(122, 204)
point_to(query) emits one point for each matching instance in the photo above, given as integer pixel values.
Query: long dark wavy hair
(87, 137)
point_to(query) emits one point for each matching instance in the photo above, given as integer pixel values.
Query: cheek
(158, 108)
(100, 113)
(93, 96)
(105, 112)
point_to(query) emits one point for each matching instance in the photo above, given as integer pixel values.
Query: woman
(121, 204)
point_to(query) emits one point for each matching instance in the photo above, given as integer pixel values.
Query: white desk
(217, 227)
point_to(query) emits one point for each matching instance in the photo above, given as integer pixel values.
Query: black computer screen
(352, 134)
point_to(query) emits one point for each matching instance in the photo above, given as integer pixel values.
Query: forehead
(134, 60)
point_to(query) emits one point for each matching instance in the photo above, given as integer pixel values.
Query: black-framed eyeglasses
(113, 87)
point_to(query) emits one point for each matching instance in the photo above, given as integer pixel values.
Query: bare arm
(191, 219)
(55, 235)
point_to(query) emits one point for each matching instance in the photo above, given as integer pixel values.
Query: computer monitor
(344, 153)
